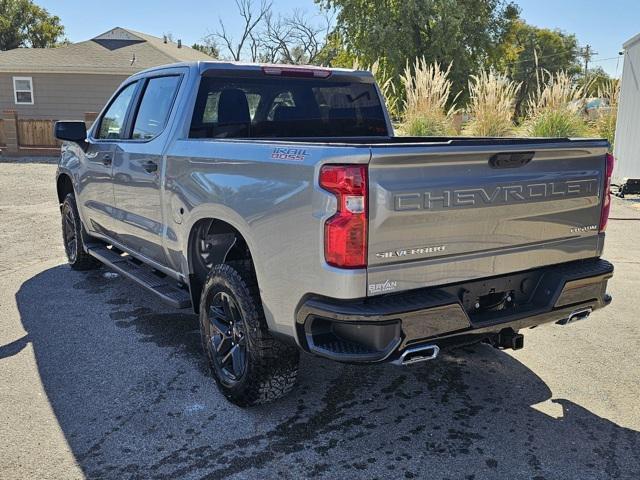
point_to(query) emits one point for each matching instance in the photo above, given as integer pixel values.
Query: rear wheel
(248, 364)
(72, 237)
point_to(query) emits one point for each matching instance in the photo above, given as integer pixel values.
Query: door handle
(511, 159)
(106, 159)
(150, 166)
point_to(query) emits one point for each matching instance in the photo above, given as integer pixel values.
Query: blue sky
(603, 25)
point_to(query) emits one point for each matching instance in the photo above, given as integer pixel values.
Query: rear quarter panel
(274, 203)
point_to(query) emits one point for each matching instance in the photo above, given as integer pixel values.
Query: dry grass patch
(554, 111)
(491, 105)
(427, 93)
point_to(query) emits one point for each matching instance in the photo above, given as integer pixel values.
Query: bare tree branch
(251, 19)
(266, 38)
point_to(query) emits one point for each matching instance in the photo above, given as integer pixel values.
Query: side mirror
(70, 131)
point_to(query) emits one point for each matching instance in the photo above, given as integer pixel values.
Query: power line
(604, 59)
(591, 60)
(540, 58)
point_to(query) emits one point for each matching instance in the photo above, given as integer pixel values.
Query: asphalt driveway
(99, 380)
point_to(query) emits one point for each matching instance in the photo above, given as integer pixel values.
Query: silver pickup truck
(276, 202)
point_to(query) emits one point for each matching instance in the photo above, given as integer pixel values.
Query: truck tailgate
(447, 213)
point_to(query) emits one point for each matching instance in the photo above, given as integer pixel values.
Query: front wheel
(74, 247)
(248, 364)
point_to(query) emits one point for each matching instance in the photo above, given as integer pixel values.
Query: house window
(23, 90)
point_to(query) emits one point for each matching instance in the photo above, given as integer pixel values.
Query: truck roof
(247, 67)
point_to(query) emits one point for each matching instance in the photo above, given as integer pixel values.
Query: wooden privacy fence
(36, 133)
(30, 136)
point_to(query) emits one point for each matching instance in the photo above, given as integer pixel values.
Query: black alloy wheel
(226, 338)
(69, 233)
(73, 238)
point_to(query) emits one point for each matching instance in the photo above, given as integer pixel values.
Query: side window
(23, 90)
(155, 106)
(112, 123)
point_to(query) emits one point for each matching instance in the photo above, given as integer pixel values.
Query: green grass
(559, 122)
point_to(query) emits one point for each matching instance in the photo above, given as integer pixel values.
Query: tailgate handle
(511, 159)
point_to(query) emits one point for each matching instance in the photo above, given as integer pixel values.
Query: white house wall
(627, 142)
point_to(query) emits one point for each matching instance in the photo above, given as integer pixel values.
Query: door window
(112, 123)
(155, 107)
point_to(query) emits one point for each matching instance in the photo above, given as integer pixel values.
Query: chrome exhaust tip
(421, 353)
(576, 315)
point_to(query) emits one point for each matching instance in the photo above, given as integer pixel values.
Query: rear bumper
(382, 328)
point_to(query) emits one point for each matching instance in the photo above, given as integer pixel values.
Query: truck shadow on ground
(128, 384)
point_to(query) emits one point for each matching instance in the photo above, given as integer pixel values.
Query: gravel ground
(98, 380)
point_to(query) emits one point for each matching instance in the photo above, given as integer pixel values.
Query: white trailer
(627, 142)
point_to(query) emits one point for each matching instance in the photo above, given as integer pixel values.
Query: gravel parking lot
(99, 380)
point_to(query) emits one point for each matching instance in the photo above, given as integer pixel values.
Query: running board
(166, 288)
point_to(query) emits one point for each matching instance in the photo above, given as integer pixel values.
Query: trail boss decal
(293, 154)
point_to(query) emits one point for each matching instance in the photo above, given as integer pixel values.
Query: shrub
(491, 105)
(427, 90)
(561, 122)
(555, 109)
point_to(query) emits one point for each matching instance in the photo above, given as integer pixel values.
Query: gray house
(41, 85)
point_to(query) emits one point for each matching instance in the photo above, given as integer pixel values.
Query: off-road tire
(271, 367)
(77, 257)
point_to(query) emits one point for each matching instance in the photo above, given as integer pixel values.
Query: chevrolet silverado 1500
(277, 203)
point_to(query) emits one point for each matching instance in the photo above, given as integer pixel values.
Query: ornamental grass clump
(604, 125)
(427, 95)
(492, 99)
(555, 109)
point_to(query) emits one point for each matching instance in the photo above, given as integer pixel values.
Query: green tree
(25, 24)
(335, 54)
(466, 32)
(527, 53)
(208, 47)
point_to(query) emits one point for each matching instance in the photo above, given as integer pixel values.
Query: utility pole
(586, 53)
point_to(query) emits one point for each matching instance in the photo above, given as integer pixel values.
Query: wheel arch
(227, 243)
(64, 186)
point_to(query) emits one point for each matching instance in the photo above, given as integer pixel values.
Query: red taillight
(345, 234)
(606, 198)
